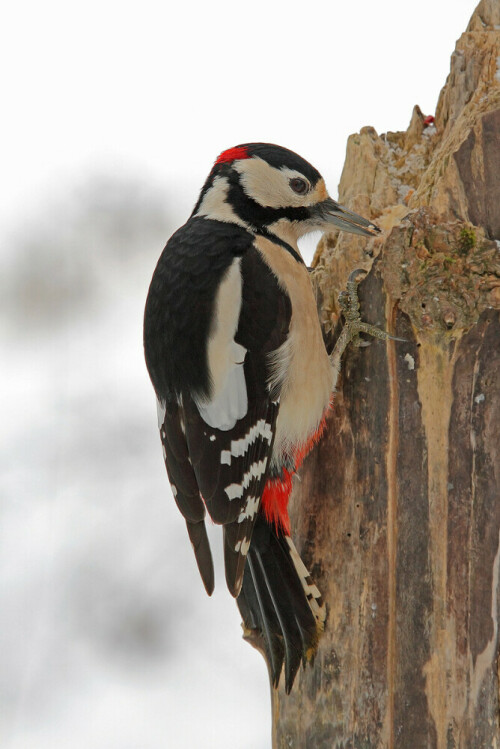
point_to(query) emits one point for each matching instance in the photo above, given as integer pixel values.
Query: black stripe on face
(275, 156)
(260, 217)
(277, 240)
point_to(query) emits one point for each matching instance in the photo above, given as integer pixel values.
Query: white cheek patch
(265, 184)
(270, 186)
(228, 401)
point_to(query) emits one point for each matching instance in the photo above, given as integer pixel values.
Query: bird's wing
(177, 322)
(229, 466)
(185, 486)
(232, 465)
(217, 414)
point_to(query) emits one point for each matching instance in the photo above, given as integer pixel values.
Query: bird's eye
(299, 186)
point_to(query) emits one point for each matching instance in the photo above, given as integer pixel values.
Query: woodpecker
(243, 381)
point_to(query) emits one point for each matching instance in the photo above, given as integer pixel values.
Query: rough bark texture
(397, 513)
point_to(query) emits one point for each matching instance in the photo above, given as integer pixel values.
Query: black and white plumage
(242, 378)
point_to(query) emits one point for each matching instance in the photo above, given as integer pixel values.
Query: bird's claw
(349, 304)
(354, 325)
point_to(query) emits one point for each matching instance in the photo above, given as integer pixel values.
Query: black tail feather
(267, 621)
(279, 602)
(288, 624)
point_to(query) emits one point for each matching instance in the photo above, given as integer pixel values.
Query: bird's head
(264, 186)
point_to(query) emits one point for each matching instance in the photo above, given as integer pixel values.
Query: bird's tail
(282, 609)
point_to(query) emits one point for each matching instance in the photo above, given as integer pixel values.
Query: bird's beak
(330, 212)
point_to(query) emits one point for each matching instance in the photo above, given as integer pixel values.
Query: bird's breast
(300, 369)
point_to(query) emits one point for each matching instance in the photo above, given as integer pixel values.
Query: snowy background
(113, 115)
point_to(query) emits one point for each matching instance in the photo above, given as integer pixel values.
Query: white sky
(162, 87)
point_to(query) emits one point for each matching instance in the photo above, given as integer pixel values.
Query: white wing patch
(228, 401)
(235, 491)
(239, 447)
(250, 509)
(243, 546)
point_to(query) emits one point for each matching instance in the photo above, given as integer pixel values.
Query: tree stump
(397, 513)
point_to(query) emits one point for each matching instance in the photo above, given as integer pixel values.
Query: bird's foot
(349, 304)
(354, 325)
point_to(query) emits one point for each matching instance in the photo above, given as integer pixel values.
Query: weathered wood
(397, 511)
(398, 518)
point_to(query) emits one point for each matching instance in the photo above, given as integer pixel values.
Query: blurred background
(113, 115)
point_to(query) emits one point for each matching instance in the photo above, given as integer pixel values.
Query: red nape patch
(239, 152)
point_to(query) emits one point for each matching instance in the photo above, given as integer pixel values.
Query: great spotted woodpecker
(243, 381)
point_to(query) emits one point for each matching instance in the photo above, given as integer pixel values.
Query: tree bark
(397, 511)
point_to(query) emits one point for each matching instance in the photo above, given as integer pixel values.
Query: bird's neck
(285, 231)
